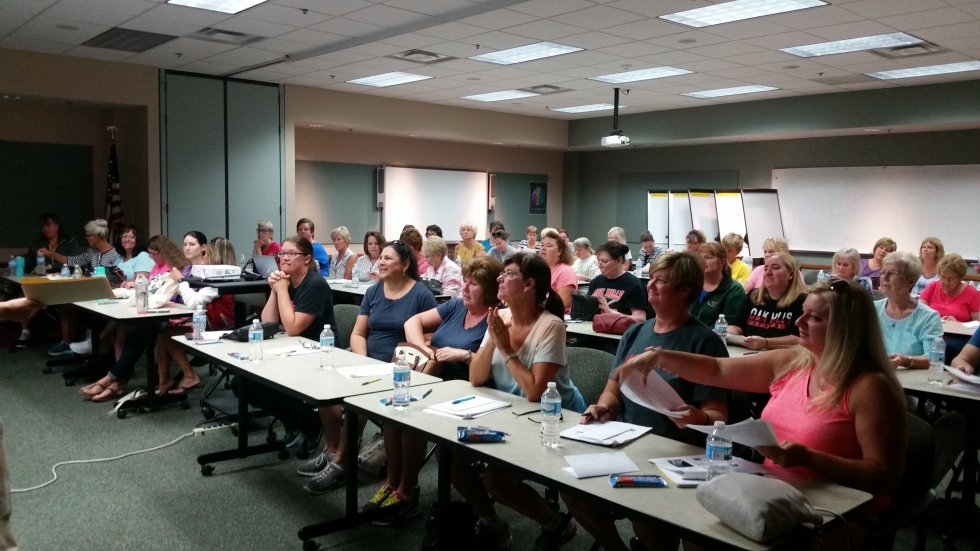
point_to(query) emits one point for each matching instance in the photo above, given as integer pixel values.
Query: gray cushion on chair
(759, 508)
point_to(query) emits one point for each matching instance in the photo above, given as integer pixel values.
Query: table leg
(243, 450)
(445, 468)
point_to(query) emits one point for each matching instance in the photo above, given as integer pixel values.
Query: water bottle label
(719, 453)
(550, 408)
(255, 337)
(326, 342)
(402, 377)
(937, 357)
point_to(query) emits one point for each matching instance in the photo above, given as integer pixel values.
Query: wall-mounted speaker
(379, 181)
(492, 193)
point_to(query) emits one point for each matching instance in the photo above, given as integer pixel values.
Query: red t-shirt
(960, 306)
(272, 250)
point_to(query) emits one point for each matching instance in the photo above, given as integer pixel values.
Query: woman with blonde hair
(469, 247)
(931, 251)
(618, 235)
(908, 325)
(872, 266)
(341, 263)
(556, 252)
(770, 247)
(441, 269)
(767, 316)
(846, 264)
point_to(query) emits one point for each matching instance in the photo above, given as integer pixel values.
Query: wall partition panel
(513, 205)
(338, 194)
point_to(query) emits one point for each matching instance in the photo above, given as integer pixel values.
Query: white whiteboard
(423, 196)
(763, 219)
(680, 219)
(704, 216)
(658, 216)
(830, 208)
(731, 216)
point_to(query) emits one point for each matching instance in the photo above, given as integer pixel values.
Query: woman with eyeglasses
(907, 324)
(953, 298)
(265, 244)
(523, 351)
(837, 409)
(342, 262)
(380, 326)
(766, 317)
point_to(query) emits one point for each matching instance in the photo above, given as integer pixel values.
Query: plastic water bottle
(76, 273)
(356, 275)
(937, 360)
(142, 294)
(821, 276)
(550, 414)
(255, 335)
(719, 451)
(242, 262)
(200, 321)
(40, 268)
(459, 261)
(19, 266)
(326, 348)
(65, 271)
(721, 327)
(402, 375)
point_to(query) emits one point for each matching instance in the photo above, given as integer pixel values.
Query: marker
(286, 353)
(427, 392)
(369, 382)
(461, 400)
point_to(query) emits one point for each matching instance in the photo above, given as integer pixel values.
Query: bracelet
(910, 363)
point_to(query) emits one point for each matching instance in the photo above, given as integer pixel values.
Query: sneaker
(553, 540)
(83, 347)
(493, 537)
(292, 438)
(25, 337)
(60, 349)
(379, 497)
(372, 457)
(405, 508)
(310, 443)
(327, 479)
(316, 465)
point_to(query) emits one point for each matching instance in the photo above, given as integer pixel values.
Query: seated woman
(721, 295)
(871, 267)
(846, 264)
(675, 283)
(433, 230)
(586, 265)
(380, 326)
(99, 253)
(558, 255)
(618, 235)
(837, 409)
(931, 251)
(459, 326)
(531, 242)
(52, 238)
(442, 269)
(770, 247)
(265, 244)
(734, 243)
(618, 291)
(342, 262)
(469, 247)
(495, 226)
(367, 264)
(694, 240)
(413, 239)
(305, 228)
(501, 248)
(523, 351)
(220, 313)
(196, 253)
(953, 298)
(907, 324)
(766, 317)
(648, 251)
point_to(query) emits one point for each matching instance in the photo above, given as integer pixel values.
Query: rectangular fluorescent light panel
(224, 6)
(890, 40)
(737, 11)
(928, 71)
(730, 91)
(526, 53)
(642, 74)
(388, 79)
(587, 108)
(501, 96)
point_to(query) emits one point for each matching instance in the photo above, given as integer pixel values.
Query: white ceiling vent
(128, 40)
(226, 37)
(910, 50)
(421, 56)
(545, 89)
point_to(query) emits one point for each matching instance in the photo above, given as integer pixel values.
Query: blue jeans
(142, 336)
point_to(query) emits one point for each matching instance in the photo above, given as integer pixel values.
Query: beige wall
(127, 94)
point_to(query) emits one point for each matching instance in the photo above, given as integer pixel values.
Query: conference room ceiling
(330, 42)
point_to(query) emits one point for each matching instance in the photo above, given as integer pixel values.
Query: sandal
(110, 394)
(180, 389)
(92, 390)
(161, 389)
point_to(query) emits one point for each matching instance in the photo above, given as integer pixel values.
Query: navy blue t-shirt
(386, 318)
(452, 334)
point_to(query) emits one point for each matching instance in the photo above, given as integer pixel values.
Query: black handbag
(269, 330)
(433, 285)
(584, 308)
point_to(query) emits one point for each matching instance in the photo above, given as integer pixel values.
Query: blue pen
(461, 400)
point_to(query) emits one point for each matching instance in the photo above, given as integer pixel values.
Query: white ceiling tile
(498, 40)
(550, 8)
(330, 76)
(288, 69)
(357, 70)
(587, 57)
(924, 20)
(499, 19)
(505, 72)
(772, 79)
(548, 78)
(431, 7)
(35, 45)
(201, 46)
(75, 12)
(285, 15)
(668, 58)
(260, 75)
(809, 87)
(46, 29)
(643, 30)
(875, 66)
(936, 59)
(784, 40)
(762, 57)
(822, 16)
(465, 65)
(738, 72)
(544, 29)
(146, 24)
(963, 44)
(387, 65)
(329, 7)
(316, 63)
(851, 30)
(593, 40)
(453, 31)
(248, 25)
(434, 71)
(458, 49)
(948, 32)
(697, 78)
(33, 7)
(726, 49)
(12, 20)
(750, 28)
(883, 8)
(99, 53)
(583, 72)
(244, 56)
(376, 49)
(305, 81)
(973, 9)
(635, 49)
(126, 7)
(598, 17)
(281, 46)
(343, 56)
(207, 67)
(313, 38)
(185, 15)
(852, 58)
(710, 65)
(660, 7)
(386, 16)
(412, 41)
(867, 85)
(699, 38)
(546, 65)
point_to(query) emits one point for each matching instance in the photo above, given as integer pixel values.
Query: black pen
(427, 392)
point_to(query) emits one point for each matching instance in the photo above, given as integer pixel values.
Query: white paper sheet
(611, 433)
(973, 379)
(971, 324)
(689, 471)
(751, 432)
(469, 409)
(285, 351)
(965, 387)
(599, 464)
(214, 335)
(656, 395)
(361, 371)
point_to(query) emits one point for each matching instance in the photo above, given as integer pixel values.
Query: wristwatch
(510, 357)
(467, 357)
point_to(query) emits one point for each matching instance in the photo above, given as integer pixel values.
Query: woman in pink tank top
(836, 408)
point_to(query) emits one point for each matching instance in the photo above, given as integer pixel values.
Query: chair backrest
(344, 315)
(415, 356)
(810, 276)
(920, 452)
(589, 370)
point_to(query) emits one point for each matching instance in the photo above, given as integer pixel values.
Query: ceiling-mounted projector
(616, 137)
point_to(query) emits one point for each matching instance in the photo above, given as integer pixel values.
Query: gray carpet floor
(159, 500)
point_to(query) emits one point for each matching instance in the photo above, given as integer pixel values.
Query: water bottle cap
(719, 424)
(552, 385)
(326, 326)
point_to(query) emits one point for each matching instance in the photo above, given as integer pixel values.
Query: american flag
(113, 199)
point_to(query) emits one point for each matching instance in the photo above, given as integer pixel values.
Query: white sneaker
(83, 347)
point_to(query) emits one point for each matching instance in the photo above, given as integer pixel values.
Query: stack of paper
(656, 395)
(288, 351)
(691, 470)
(599, 464)
(734, 339)
(612, 433)
(361, 371)
(973, 379)
(751, 432)
(467, 409)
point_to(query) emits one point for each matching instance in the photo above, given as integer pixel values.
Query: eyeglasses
(262, 230)
(289, 254)
(310, 345)
(505, 275)
(887, 275)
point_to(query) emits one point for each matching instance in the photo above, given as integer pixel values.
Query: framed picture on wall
(539, 198)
